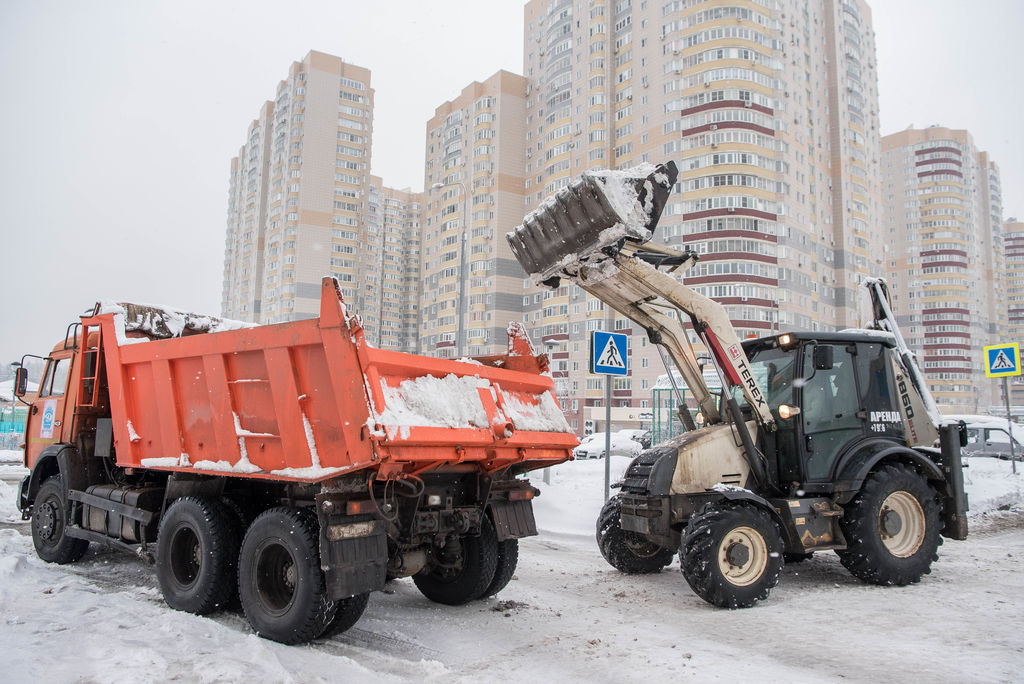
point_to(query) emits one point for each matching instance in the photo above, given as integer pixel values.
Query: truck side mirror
(20, 381)
(823, 359)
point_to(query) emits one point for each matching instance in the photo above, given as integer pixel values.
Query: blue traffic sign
(1002, 360)
(609, 353)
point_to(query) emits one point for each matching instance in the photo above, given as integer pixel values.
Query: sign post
(609, 356)
(1002, 361)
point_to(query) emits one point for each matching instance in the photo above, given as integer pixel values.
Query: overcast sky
(119, 120)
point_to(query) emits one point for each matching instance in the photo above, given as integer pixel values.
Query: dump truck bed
(310, 400)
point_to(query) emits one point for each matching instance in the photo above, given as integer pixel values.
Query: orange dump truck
(291, 465)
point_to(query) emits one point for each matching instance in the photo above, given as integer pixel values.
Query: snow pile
(454, 402)
(543, 416)
(992, 485)
(619, 189)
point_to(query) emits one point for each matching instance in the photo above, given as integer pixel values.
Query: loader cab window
(773, 369)
(55, 379)
(830, 405)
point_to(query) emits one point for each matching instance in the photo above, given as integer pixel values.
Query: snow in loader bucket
(591, 215)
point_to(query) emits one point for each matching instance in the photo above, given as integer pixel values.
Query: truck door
(44, 425)
(830, 403)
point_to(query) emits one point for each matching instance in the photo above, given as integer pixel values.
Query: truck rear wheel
(459, 576)
(627, 552)
(49, 525)
(508, 559)
(731, 554)
(348, 614)
(280, 583)
(891, 528)
(197, 550)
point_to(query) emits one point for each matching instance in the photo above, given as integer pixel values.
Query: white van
(989, 436)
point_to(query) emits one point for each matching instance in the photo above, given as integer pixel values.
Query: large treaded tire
(731, 554)
(472, 574)
(505, 567)
(349, 611)
(280, 583)
(904, 553)
(49, 523)
(197, 553)
(625, 551)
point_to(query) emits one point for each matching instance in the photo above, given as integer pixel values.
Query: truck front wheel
(627, 552)
(197, 549)
(462, 572)
(731, 554)
(49, 525)
(891, 528)
(280, 583)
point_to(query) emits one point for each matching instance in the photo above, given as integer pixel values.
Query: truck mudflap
(513, 519)
(353, 555)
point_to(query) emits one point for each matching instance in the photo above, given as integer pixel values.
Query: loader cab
(829, 393)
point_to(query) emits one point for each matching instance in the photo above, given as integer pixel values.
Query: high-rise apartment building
(298, 198)
(1013, 281)
(770, 110)
(943, 228)
(390, 287)
(472, 285)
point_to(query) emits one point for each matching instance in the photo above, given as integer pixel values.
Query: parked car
(623, 444)
(989, 436)
(641, 436)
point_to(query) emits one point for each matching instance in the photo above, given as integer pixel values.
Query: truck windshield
(773, 369)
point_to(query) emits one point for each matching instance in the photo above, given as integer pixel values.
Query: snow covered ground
(566, 616)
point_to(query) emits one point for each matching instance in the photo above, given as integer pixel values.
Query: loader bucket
(590, 216)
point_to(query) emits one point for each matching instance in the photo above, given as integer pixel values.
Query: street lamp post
(460, 334)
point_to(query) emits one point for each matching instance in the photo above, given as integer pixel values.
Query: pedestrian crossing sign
(1002, 360)
(609, 353)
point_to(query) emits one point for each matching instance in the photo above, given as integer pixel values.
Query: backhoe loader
(817, 441)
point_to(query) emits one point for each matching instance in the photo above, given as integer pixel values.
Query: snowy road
(567, 616)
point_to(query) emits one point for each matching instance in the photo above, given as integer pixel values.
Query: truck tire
(508, 558)
(348, 614)
(467, 575)
(49, 524)
(197, 553)
(731, 554)
(627, 552)
(891, 528)
(280, 583)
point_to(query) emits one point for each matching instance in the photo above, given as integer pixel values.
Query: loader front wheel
(627, 552)
(461, 572)
(891, 528)
(731, 554)
(197, 551)
(49, 525)
(280, 583)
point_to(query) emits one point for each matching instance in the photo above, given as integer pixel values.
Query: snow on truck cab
(290, 465)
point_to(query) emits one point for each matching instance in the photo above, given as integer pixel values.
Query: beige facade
(1013, 281)
(943, 227)
(298, 194)
(770, 110)
(474, 195)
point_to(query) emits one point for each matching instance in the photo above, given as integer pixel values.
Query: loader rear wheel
(731, 554)
(627, 552)
(197, 551)
(49, 525)
(461, 572)
(508, 559)
(280, 583)
(891, 528)
(348, 614)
